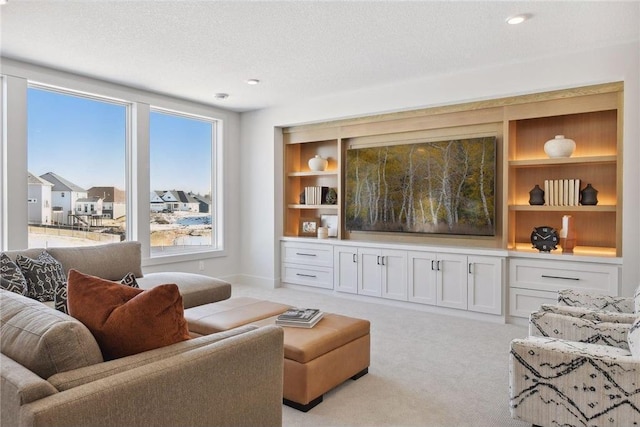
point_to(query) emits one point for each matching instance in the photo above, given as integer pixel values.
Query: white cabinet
(484, 289)
(371, 271)
(309, 264)
(456, 281)
(533, 281)
(345, 271)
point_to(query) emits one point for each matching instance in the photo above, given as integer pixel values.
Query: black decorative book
(300, 317)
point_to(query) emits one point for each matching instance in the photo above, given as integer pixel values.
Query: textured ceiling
(298, 49)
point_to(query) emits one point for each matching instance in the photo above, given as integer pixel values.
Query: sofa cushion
(60, 296)
(44, 274)
(111, 261)
(127, 320)
(11, 278)
(42, 339)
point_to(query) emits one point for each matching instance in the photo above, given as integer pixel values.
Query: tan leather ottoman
(315, 360)
(320, 358)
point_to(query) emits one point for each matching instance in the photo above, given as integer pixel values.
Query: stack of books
(562, 192)
(300, 317)
(315, 195)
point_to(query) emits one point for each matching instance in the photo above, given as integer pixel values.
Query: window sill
(169, 256)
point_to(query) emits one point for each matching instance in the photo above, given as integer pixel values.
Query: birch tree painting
(444, 187)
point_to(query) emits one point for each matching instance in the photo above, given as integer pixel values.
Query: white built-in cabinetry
(463, 281)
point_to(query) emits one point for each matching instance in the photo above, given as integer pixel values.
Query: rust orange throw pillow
(126, 320)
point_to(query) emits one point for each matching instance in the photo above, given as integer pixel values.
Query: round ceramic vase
(559, 147)
(318, 164)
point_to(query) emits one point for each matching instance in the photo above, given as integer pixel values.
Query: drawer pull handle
(303, 254)
(560, 277)
(306, 275)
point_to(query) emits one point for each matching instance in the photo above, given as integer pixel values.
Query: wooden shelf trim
(313, 173)
(562, 161)
(296, 206)
(580, 208)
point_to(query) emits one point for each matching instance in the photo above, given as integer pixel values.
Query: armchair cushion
(549, 324)
(589, 314)
(126, 320)
(558, 382)
(596, 301)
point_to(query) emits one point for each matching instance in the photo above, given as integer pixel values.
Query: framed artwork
(331, 222)
(308, 227)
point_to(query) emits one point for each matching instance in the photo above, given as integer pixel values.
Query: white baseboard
(263, 282)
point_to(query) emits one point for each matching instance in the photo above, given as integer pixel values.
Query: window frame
(217, 205)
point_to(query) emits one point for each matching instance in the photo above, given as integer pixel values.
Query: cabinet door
(422, 277)
(345, 269)
(394, 274)
(370, 272)
(452, 281)
(485, 284)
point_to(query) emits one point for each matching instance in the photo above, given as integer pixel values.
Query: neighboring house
(64, 195)
(89, 206)
(113, 201)
(39, 200)
(157, 202)
(173, 201)
(204, 201)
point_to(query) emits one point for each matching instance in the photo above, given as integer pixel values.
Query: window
(182, 169)
(76, 149)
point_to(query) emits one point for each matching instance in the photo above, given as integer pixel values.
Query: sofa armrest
(74, 378)
(589, 314)
(558, 382)
(549, 324)
(236, 381)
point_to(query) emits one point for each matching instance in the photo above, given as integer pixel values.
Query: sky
(83, 140)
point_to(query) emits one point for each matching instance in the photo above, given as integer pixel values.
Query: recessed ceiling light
(221, 95)
(518, 19)
(253, 81)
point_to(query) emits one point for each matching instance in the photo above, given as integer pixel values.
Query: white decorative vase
(559, 147)
(318, 163)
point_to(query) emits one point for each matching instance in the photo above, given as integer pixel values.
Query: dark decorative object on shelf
(536, 196)
(302, 199)
(589, 196)
(332, 196)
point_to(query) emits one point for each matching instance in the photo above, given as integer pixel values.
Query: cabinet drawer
(523, 301)
(320, 277)
(308, 254)
(550, 275)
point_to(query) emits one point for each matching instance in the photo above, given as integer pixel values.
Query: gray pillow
(11, 278)
(44, 274)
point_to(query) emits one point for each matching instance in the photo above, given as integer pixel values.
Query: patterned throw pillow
(633, 337)
(636, 300)
(60, 297)
(44, 274)
(11, 278)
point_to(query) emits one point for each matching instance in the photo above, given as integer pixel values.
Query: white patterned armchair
(580, 366)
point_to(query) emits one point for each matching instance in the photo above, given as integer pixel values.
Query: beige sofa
(53, 372)
(113, 261)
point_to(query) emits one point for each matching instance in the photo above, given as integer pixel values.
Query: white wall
(262, 151)
(14, 172)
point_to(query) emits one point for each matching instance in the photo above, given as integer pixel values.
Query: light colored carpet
(426, 369)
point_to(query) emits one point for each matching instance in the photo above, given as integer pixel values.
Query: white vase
(318, 163)
(559, 147)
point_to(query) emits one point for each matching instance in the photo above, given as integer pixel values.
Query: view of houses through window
(77, 174)
(180, 152)
(76, 169)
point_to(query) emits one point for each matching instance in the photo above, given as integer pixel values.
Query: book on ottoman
(299, 317)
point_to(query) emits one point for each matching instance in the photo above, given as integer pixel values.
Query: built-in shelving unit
(410, 266)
